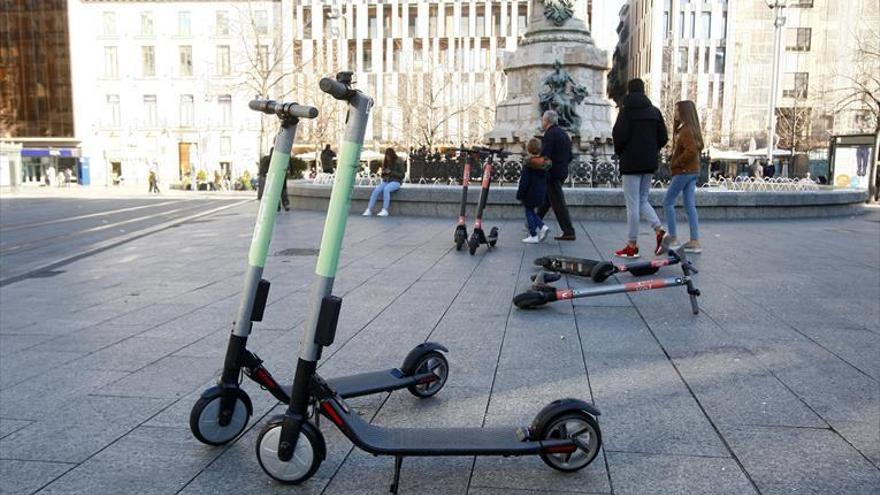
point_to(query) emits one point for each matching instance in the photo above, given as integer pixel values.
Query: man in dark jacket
(556, 148)
(639, 134)
(327, 159)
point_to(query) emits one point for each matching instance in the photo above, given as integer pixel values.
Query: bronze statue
(557, 99)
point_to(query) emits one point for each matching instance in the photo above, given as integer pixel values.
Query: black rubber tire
(308, 433)
(210, 399)
(550, 429)
(530, 299)
(602, 271)
(473, 245)
(444, 375)
(458, 244)
(493, 236)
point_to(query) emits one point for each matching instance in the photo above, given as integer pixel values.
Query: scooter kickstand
(395, 483)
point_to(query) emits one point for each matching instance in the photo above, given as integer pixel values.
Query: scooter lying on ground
(478, 236)
(599, 271)
(290, 447)
(223, 411)
(541, 293)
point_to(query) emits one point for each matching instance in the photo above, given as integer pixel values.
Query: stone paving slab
(773, 382)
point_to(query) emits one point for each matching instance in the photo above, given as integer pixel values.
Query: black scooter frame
(541, 293)
(461, 234)
(478, 236)
(599, 271)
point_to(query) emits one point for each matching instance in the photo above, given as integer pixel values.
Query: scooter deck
(370, 383)
(439, 441)
(566, 264)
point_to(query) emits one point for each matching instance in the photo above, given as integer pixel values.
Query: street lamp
(778, 21)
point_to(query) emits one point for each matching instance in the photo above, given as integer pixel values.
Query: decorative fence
(596, 169)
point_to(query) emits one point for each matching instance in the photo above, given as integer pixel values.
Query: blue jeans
(635, 192)
(686, 184)
(385, 189)
(533, 220)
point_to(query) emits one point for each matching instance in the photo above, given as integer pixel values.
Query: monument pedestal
(553, 37)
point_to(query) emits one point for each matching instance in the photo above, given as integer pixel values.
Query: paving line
(82, 217)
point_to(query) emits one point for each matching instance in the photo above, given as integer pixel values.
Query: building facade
(719, 54)
(36, 108)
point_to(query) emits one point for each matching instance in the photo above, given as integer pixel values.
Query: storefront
(43, 163)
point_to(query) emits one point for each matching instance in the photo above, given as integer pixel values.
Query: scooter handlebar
(335, 89)
(284, 109)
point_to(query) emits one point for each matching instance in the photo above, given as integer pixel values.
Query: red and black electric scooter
(479, 236)
(541, 293)
(599, 271)
(461, 235)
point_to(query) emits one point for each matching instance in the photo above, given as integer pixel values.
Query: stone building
(719, 54)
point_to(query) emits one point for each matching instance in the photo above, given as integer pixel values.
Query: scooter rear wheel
(436, 363)
(205, 423)
(307, 457)
(578, 426)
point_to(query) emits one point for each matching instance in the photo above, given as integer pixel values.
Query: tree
(859, 89)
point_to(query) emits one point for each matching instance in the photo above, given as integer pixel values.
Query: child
(531, 192)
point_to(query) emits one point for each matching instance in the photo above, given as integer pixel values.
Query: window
(794, 84)
(463, 22)
(186, 61)
(111, 68)
(681, 24)
(707, 24)
(222, 23)
(719, 60)
(183, 24)
(151, 115)
(113, 114)
(225, 103)
(263, 58)
(148, 61)
(449, 22)
(682, 60)
(693, 24)
(261, 22)
(666, 28)
(368, 57)
(496, 22)
(109, 23)
(225, 147)
(481, 26)
(223, 66)
(373, 21)
(706, 60)
(413, 21)
(798, 39)
(724, 24)
(186, 110)
(146, 23)
(521, 20)
(433, 22)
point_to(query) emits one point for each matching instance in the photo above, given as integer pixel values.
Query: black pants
(284, 199)
(556, 200)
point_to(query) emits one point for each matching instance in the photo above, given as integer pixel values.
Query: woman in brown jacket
(687, 144)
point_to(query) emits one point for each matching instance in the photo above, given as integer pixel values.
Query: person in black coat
(639, 135)
(556, 152)
(327, 160)
(532, 192)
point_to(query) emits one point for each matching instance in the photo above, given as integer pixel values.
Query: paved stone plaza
(772, 389)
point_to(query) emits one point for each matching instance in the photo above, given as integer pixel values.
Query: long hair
(687, 112)
(390, 158)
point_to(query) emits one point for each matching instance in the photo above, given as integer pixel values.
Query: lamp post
(778, 21)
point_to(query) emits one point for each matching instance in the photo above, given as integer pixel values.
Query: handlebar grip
(284, 109)
(334, 88)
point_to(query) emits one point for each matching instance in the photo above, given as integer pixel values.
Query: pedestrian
(556, 152)
(687, 144)
(263, 171)
(393, 172)
(154, 182)
(327, 158)
(66, 175)
(532, 192)
(639, 134)
(218, 181)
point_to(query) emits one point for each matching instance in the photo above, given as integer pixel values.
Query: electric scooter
(599, 271)
(290, 447)
(541, 293)
(461, 234)
(478, 236)
(223, 411)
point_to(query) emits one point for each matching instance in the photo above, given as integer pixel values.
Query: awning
(62, 152)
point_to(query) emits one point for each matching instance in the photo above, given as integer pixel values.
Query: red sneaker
(660, 235)
(628, 252)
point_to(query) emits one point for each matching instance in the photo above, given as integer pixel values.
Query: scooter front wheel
(579, 427)
(204, 419)
(432, 362)
(307, 457)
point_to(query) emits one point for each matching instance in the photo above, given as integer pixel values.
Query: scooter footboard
(564, 264)
(433, 441)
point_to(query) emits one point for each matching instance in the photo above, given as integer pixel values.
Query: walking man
(555, 149)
